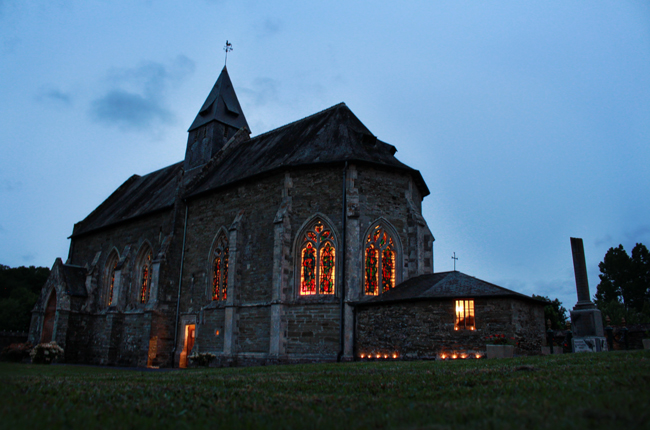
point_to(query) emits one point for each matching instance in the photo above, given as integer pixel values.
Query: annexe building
(274, 248)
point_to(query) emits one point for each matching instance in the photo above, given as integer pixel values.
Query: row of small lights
(378, 356)
(395, 355)
(462, 356)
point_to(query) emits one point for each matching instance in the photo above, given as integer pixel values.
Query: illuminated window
(317, 261)
(379, 262)
(111, 266)
(464, 315)
(220, 269)
(145, 276)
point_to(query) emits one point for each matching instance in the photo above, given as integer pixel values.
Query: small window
(111, 267)
(464, 315)
(145, 277)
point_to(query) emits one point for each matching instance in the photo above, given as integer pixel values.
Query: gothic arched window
(111, 266)
(144, 275)
(379, 262)
(317, 260)
(220, 268)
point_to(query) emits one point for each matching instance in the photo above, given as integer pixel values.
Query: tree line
(624, 288)
(20, 288)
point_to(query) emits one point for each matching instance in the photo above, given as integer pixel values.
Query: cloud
(605, 240)
(639, 234)
(269, 27)
(9, 185)
(129, 110)
(54, 95)
(137, 97)
(28, 258)
(263, 91)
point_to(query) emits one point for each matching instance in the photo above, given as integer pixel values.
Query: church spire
(218, 120)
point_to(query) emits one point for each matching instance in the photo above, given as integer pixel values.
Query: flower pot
(500, 351)
(646, 343)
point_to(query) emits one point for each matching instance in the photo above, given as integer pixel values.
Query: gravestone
(586, 319)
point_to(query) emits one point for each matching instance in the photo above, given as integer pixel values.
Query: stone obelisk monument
(586, 320)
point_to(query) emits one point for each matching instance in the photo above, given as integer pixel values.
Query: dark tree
(554, 311)
(624, 288)
(19, 290)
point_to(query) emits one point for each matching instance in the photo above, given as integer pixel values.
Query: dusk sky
(529, 121)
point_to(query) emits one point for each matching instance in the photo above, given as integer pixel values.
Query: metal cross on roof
(227, 48)
(454, 258)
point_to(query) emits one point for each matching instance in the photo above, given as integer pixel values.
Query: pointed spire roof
(221, 105)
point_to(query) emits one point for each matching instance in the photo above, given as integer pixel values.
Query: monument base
(589, 344)
(587, 322)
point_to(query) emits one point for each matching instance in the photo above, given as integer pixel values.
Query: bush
(202, 359)
(46, 353)
(16, 352)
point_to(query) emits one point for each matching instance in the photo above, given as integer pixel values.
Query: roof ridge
(300, 120)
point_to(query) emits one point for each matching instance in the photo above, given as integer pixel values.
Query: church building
(302, 244)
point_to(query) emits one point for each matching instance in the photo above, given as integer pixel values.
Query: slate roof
(444, 285)
(333, 135)
(139, 195)
(221, 105)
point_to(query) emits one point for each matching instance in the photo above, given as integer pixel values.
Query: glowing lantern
(394, 355)
(363, 355)
(454, 356)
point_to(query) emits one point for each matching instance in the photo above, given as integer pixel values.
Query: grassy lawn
(608, 390)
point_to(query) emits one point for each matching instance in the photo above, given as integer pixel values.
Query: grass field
(608, 390)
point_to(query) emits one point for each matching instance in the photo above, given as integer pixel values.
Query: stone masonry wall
(313, 330)
(425, 329)
(253, 332)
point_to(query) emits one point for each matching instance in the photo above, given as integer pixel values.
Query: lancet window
(379, 261)
(111, 266)
(220, 268)
(317, 260)
(145, 276)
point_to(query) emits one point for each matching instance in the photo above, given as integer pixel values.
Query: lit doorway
(188, 345)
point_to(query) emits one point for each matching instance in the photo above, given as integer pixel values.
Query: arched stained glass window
(111, 266)
(220, 269)
(317, 261)
(145, 276)
(379, 262)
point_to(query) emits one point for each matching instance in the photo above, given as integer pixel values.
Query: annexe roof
(333, 135)
(137, 196)
(441, 286)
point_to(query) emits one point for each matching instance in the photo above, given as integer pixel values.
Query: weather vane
(454, 258)
(227, 48)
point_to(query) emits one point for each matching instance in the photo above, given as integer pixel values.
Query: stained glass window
(110, 278)
(464, 315)
(317, 261)
(145, 277)
(380, 262)
(220, 269)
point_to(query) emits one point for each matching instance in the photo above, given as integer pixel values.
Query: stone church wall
(425, 329)
(113, 336)
(313, 330)
(253, 329)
